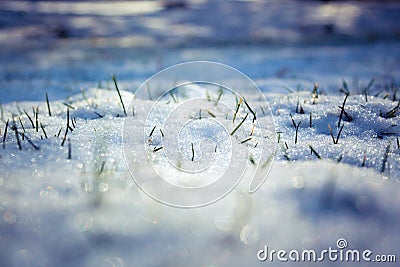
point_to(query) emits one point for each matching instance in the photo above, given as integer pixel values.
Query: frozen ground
(87, 210)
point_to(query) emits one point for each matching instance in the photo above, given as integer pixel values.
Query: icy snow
(88, 211)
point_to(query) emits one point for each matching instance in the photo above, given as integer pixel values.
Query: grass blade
(119, 94)
(240, 124)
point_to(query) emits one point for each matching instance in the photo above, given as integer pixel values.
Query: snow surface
(88, 211)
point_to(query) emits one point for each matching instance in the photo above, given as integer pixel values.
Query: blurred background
(198, 22)
(63, 46)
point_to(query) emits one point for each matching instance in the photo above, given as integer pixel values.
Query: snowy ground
(88, 211)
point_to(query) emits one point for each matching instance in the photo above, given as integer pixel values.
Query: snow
(88, 210)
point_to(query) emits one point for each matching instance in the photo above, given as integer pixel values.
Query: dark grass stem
(192, 152)
(69, 148)
(30, 119)
(119, 94)
(152, 131)
(5, 134)
(293, 122)
(15, 129)
(246, 140)
(315, 152)
(48, 104)
(37, 119)
(157, 149)
(385, 158)
(297, 129)
(41, 126)
(240, 124)
(342, 110)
